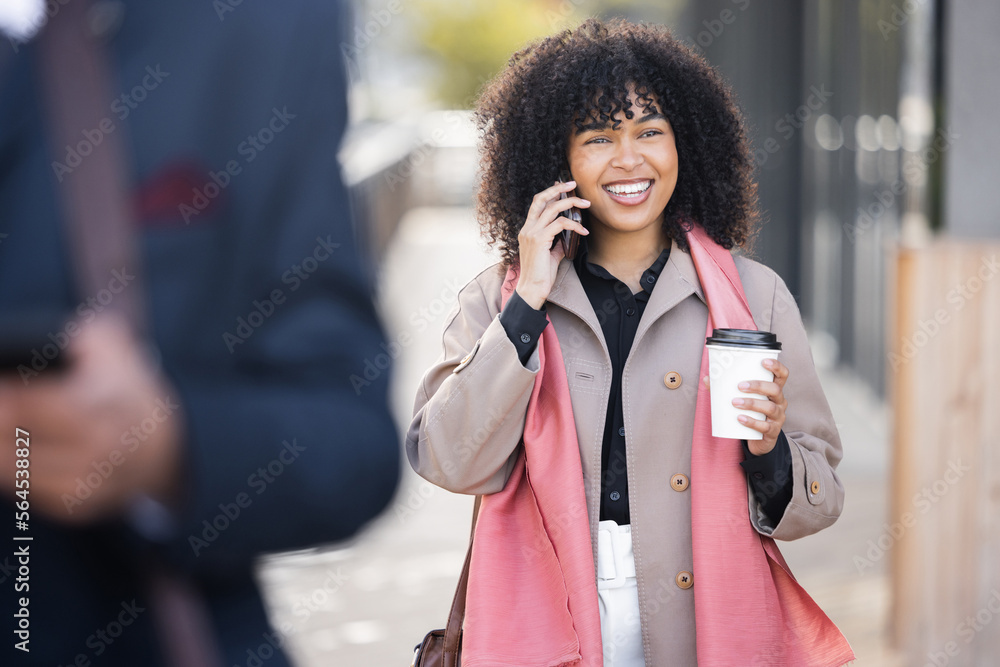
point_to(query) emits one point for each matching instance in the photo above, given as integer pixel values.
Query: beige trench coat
(470, 410)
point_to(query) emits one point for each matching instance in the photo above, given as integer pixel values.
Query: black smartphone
(33, 341)
(569, 238)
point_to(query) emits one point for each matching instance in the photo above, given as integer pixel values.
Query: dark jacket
(261, 86)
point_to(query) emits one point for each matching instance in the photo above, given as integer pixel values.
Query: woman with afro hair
(572, 391)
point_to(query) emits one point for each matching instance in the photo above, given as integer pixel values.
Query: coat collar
(677, 281)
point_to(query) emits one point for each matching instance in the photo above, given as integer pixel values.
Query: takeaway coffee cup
(734, 356)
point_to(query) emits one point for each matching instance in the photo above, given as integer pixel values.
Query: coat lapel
(677, 281)
(568, 293)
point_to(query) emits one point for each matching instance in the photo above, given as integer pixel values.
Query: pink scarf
(532, 599)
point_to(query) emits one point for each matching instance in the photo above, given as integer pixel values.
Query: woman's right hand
(539, 260)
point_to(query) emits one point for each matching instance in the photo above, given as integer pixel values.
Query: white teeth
(628, 188)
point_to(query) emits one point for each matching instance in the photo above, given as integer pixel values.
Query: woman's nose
(627, 156)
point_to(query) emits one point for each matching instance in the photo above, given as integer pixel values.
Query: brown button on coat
(469, 418)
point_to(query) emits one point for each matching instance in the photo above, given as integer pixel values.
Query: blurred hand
(539, 260)
(103, 431)
(773, 408)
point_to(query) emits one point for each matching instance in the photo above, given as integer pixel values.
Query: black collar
(649, 276)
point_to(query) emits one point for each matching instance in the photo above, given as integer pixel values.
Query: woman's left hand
(773, 408)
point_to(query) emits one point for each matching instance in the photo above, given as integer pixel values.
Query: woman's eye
(650, 133)
(597, 140)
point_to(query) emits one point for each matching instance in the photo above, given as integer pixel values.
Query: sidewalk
(370, 602)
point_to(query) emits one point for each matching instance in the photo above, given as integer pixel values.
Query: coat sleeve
(817, 492)
(468, 417)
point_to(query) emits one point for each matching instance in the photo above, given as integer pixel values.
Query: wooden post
(943, 531)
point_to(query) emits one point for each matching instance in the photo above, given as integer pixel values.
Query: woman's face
(628, 174)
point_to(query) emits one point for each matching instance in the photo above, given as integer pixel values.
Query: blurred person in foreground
(572, 392)
(242, 432)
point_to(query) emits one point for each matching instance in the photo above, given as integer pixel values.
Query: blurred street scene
(872, 130)
(857, 141)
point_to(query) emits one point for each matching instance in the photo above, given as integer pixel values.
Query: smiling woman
(606, 499)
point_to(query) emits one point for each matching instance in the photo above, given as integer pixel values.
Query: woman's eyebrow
(599, 125)
(654, 115)
(592, 126)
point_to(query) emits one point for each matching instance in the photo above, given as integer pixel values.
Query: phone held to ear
(569, 238)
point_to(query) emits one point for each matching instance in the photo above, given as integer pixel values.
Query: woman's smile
(629, 193)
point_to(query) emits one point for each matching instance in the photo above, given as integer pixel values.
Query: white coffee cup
(734, 356)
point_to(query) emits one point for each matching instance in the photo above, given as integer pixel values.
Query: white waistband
(615, 562)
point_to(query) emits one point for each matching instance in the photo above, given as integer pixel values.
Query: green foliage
(473, 39)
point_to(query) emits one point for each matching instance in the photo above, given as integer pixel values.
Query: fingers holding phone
(569, 238)
(538, 247)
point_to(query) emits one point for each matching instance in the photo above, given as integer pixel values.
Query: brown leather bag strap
(92, 180)
(453, 631)
(77, 82)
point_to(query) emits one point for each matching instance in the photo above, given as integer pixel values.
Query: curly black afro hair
(525, 116)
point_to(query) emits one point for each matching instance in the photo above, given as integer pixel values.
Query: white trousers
(618, 597)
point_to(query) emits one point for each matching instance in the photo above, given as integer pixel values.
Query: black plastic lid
(744, 338)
